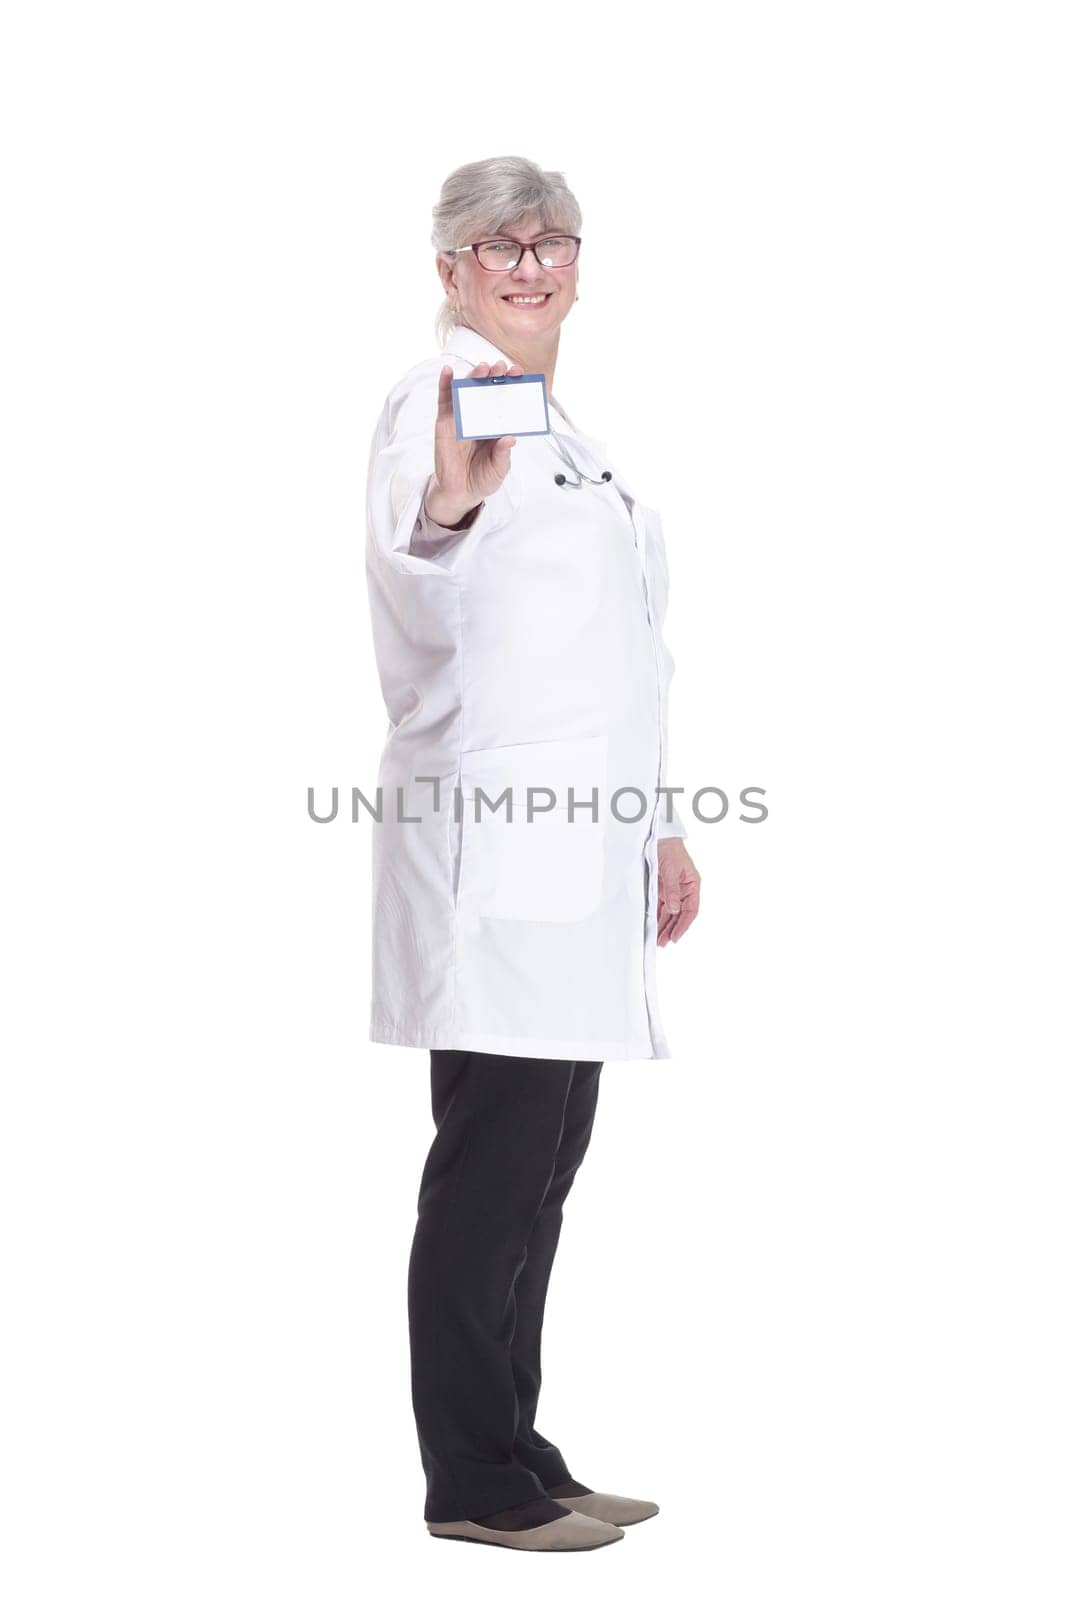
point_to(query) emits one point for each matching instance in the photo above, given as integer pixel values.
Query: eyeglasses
(504, 255)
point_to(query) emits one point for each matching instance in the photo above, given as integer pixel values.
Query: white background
(810, 1290)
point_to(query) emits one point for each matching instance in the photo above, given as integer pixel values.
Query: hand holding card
(466, 471)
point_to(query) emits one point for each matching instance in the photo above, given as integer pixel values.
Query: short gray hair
(486, 197)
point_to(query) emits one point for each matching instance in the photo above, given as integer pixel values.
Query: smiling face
(518, 311)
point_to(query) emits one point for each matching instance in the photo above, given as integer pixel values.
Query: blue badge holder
(459, 384)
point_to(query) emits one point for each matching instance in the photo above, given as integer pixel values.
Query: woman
(517, 596)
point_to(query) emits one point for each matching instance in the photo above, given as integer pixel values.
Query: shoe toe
(619, 1509)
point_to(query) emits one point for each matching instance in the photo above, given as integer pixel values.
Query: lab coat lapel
(637, 514)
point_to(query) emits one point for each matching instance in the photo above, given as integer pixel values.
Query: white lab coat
(526, 652)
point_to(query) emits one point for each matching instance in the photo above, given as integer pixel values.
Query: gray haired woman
(517, 588)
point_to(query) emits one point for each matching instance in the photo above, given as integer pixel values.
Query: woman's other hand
(466, 471)
(679, 891)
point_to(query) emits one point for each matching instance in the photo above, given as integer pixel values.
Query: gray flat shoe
(576, 1532)
(618, 1509)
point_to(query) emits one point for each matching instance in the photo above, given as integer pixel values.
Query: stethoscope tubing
(566, 483)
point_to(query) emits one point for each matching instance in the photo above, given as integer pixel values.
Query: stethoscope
(561, 477)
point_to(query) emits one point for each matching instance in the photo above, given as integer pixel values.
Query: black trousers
(511, 1134)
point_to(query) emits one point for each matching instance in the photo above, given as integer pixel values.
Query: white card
(489, 408)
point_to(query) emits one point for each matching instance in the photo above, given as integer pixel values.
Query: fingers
(682, 923)
(670, 890)
(490, 464)
(667, 912)
(679, 902)
(499, 369)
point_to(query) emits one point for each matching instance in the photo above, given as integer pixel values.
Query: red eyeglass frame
(503, 238)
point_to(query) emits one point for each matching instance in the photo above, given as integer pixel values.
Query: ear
(446, 271)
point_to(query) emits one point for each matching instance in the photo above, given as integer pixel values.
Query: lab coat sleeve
(431, 538)
(675, 829)
(660, 580)
(401, 466)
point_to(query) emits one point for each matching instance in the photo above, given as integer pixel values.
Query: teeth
(525, 299)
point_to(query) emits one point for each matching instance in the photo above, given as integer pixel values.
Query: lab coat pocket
(540, 865)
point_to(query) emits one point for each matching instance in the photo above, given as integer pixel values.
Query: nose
(528, 269)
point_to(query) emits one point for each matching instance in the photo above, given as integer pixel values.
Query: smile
(526, 299)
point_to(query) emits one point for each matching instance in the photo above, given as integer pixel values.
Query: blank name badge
(490, 408)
